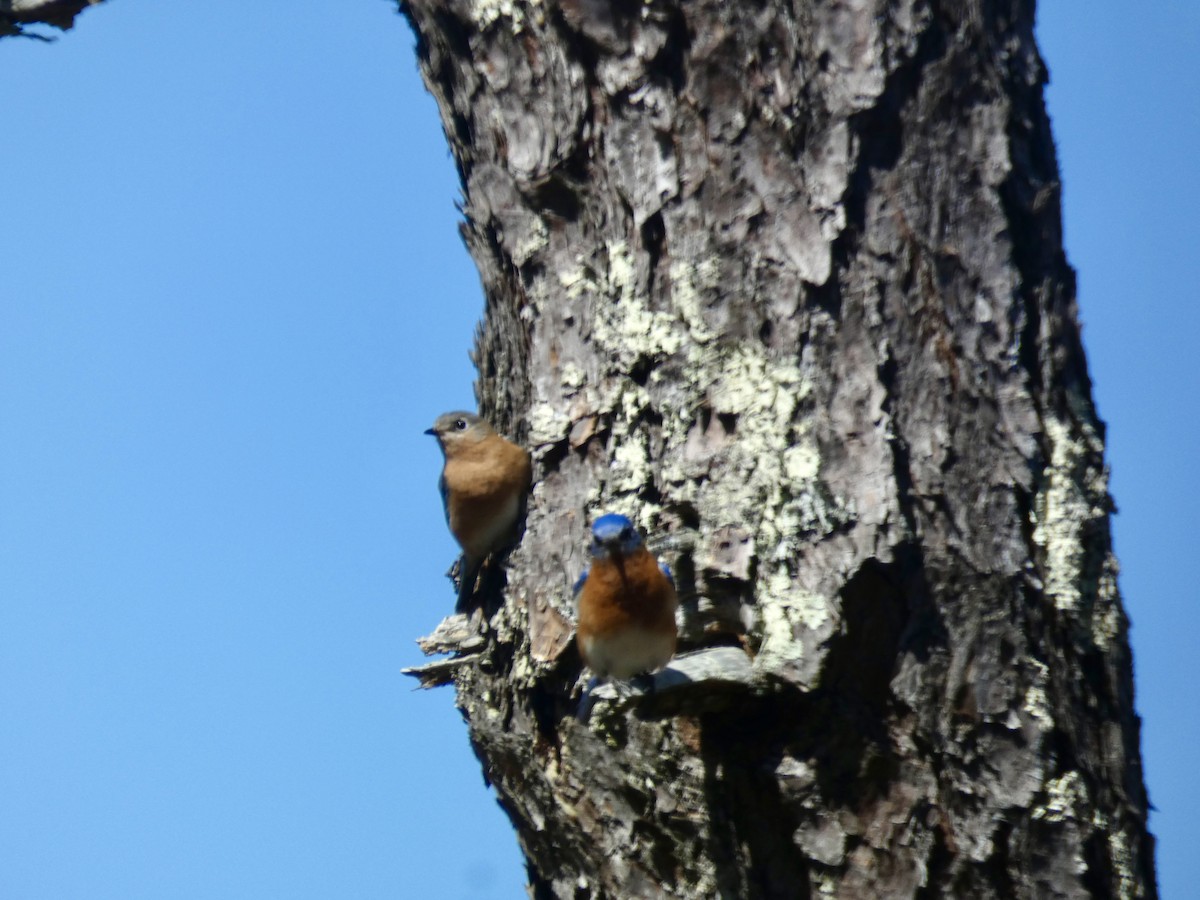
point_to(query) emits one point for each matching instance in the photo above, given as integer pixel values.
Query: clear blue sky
(234, 295)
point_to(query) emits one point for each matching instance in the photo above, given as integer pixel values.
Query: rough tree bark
(785, 283)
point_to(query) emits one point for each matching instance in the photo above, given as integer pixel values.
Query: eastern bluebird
(627, 606)
(484, 482)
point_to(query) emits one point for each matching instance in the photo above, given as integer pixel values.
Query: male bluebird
(484, 482)
(627, 606)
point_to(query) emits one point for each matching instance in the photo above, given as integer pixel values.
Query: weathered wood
(784, 283)
(453, 635)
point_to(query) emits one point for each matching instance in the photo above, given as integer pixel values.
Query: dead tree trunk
(785, 283)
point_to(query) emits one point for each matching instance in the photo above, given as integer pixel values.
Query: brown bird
(484, 484)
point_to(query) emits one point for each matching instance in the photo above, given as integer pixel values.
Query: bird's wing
(666, 570)
(445, 498)
(578, 586)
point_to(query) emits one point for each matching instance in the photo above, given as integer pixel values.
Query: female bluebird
(484, 482)
(627, 606)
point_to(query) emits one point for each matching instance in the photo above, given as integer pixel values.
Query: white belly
(628, 652)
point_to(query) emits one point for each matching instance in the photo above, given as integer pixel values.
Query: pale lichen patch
(533, 239)
(572, 377)
(1123, 861)
(774, 460)
(687, 283)
(486, 13)
(826, 884)
(630, 468)
(802, 462)
(1065, 799)
(622, 323)
(547, 424)
(786, 610)
(1036, 704)
(1072, 495)
(705, 886)
(575, 282)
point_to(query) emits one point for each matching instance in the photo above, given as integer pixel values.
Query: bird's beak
(431, 431)
(613, 545)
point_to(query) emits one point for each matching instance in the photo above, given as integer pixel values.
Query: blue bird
(627, 603)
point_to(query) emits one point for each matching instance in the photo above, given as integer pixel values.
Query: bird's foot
(644, 682)
(586, 700)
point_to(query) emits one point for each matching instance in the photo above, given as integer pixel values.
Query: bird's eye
(460, 424)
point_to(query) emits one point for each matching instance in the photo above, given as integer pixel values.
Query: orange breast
(485, 483)
(630, 593)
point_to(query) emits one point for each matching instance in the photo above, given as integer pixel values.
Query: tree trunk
(784, 282)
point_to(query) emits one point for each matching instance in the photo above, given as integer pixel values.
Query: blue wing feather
(444, 492)
(666, 570)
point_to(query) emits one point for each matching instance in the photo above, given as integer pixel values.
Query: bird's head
(458, 429)
(614, 535)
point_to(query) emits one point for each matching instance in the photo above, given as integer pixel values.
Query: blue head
(614, 535)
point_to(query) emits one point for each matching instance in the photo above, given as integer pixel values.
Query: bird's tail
(468, 575)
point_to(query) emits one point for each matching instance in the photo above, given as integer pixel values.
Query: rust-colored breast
(631, 592)
(485, 483)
